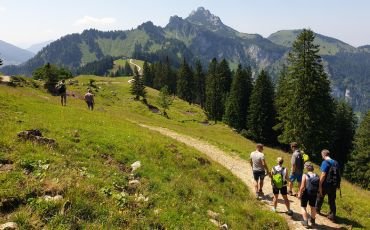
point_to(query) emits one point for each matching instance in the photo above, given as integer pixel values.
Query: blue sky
(26, 22)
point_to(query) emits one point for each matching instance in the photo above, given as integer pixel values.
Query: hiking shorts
(296, 176)
(258, 175)
(310, 199)
(283, 190)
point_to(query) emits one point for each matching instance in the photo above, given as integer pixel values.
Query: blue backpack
(333, 177)
(312, 184)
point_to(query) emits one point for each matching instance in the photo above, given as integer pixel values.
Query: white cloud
(95, 22)
(2, 9)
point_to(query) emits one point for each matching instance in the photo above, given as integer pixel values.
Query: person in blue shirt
(324, 187)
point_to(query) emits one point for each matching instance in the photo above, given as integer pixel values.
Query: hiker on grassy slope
(89, 98)
(62, 90)
(308, 193)
(279, 178)
(329, 183)
(297, 167)
(260, 169)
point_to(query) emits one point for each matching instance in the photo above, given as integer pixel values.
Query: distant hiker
(329, 183)
(279, 178)
(297, 167)
(89, 98)
(62, 90)
(259, 167)
(308, 193)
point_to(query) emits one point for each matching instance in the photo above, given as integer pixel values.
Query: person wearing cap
(308, 193)
(283, 190)
(89, 98)
(260, 169)
(297, 167)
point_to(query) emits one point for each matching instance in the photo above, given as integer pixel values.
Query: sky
(27, 22)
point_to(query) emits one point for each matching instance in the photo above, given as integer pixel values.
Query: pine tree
(200, 84)
(213, 107)
(169, 76)
(344, 131)
(238, 100)
(137, 86)
(147, 74)
(358, 167)
(261, 113)
(305, 107)
(159, 79)
(185, 82)
(224, 81)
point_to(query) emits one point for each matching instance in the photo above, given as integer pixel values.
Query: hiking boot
(261, 193)
(313, 222)
(305, 223)
(290, 213)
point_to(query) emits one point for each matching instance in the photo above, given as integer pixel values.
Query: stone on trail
(135, 165)
(213, 215)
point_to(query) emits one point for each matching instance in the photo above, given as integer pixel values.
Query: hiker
(279, 178)
(62, 90)
(308, 193)
(89, 98)
(297, 168)
(260, 169)
(329, 183)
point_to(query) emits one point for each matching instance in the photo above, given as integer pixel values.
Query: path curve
(242, 169)
(137, 66)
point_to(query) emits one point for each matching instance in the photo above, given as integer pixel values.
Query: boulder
(9, 226)
(135, 166)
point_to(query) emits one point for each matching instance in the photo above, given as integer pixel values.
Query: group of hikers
(312, 188)
(62, 91)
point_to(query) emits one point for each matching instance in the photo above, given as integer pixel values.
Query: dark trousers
(332, 195)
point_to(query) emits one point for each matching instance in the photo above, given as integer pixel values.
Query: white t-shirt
(257, 157)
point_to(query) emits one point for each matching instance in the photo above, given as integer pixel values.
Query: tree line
(298, 108)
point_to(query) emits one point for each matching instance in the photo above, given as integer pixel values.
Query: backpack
(299, 162)
(61, 88)
(312, 184)
(333, 177)
(305, 157)
(277, 177)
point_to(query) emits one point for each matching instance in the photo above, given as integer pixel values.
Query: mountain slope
(13, 55)
(203, 36)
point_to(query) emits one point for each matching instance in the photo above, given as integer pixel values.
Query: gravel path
(242, 169)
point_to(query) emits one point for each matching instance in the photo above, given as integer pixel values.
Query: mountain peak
(202, 16)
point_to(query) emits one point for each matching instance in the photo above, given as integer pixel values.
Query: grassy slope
(89, 167)
(353, 207)
(328, 45)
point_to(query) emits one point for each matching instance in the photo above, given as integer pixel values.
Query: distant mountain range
(203, 36)
(35, 48)
(13, 55)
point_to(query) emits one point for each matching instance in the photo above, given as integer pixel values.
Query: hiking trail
(242, 169)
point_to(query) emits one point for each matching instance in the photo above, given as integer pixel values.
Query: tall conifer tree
(185, 82)
(224, 80)
(358, 167)
(200, 84)
(137, 86)
(214, 99)
(305, 107)
(238, 99)
(262, 115)
(344, 131)
(147, 74)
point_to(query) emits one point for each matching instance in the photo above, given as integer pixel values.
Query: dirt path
(242, 169)
(137, 66)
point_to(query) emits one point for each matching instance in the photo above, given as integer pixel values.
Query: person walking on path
(260, 169)
(89, 98)
(279, 175)
(329, 183)
(308, 193)
(297, 167)
(62, 90)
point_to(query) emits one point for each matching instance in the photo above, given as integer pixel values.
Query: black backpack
(299, 162)
(333, 177)
(312, 184)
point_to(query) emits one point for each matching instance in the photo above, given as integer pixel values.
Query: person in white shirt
(260, 169)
